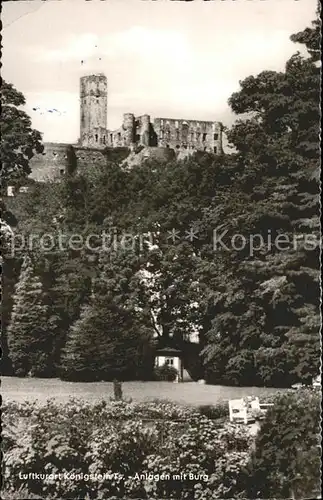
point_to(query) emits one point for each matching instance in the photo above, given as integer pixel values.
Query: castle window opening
(216, 137)
(104, 139)
(198, 135)
(96, 137)
(111, 137)
(61, 171)
(192, 136)
(119, 136)
(177, 146)
(215, 149)
(204, 137)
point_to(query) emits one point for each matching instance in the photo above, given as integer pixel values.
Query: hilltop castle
(194, 135)
(162, 139)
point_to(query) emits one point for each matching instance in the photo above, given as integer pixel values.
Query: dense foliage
(222, 247)
(19, 142)
(287, 456)
(123, 440)
(147, 448)
(165, 373)
(266, 299)
(30, 333)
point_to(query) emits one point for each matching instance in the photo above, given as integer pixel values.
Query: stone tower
(94, 104)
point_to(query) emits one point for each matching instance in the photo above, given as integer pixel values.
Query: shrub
(286, 459)
(18, 495)
(220, 410)
(210, 461)
(165, 373)
(116, 439)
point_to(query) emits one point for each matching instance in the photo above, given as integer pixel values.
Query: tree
(29, 333)
(266, 321)
(111, 339)
(19, 142)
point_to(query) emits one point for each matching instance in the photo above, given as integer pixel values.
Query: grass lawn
(190, 393)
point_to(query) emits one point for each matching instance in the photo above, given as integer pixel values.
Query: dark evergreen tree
(30, 339)
(270, 332)
(111, 339)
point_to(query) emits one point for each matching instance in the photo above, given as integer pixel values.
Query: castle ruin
(175, 133)
(162, 139)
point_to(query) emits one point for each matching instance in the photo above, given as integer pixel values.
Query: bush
(165, 373)
(214, 460)
(116, 439)
(286, 459)
(214, 412)
(18, 495)
(210, 461)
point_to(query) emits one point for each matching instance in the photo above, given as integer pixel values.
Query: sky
(164, 58)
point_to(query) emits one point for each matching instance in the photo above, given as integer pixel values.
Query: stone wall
(195, 135)
(52, 163)
(124, 136)
(178, 134)
(87, 157)
(158, 154)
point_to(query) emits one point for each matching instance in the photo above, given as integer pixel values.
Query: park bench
(246, 409)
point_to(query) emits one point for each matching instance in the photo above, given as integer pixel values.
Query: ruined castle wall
(97, 138)
(142, 130)
(87, 157)
(50, 164)
(124, 136)
(189, 134)
(116, 138)
(135, 131)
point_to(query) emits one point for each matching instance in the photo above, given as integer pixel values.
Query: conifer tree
(29, 337)
(111, 339)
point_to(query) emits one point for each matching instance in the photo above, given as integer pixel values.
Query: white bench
(238, 410)
(244, 409)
